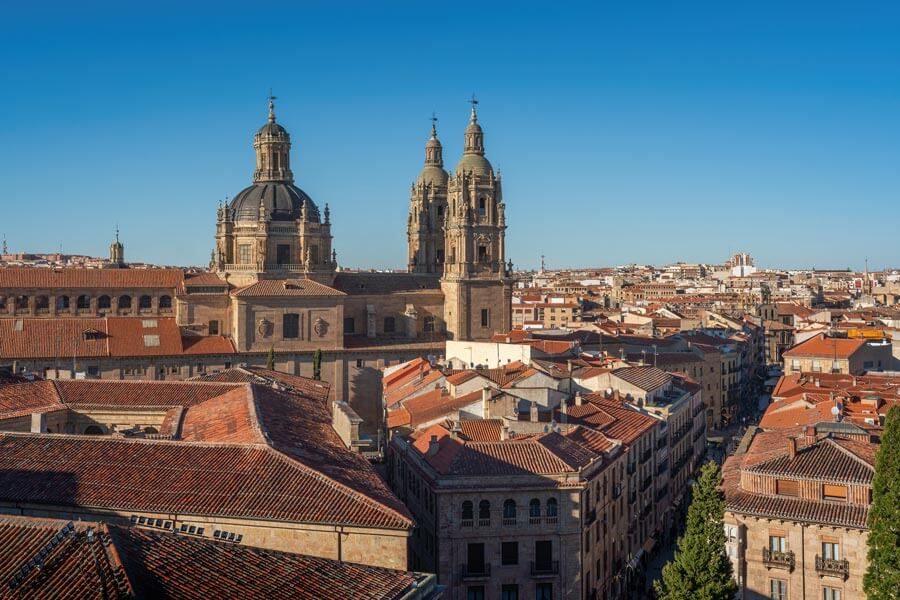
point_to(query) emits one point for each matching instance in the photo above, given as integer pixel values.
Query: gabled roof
(645, 378)
(286, 287)
(826, 347)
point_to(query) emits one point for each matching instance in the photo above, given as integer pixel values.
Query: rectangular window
(817, 366)
(543, 591)
(509, 553)
(482, 207)
(834, 492)
(475, 592)
(831, 550)
(389, 324)
(777, 589)
(283, 254)
(784, 487)
(831, 594)
(485, 317)
(428, 326)
(795, 365)
(291, 326)
(349, 325)
(213, 327)
(776, 543)
(244, 254)
(509, 591)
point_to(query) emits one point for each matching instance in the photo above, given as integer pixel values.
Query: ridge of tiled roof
(825, 460)
(80, 278)
(286, 287)
(821, 345)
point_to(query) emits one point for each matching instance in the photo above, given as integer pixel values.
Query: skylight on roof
(149, 324)
(151, 340)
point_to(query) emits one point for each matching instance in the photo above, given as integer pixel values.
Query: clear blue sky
(625, 131)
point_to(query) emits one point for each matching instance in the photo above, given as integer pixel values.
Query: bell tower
(272, 144)
(428, 210)
(476, 281)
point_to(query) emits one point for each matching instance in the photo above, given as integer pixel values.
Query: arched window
(552, 507)
(468, 512)
(42, 303)
(534, 508)
(484, 510)
(84, 302)
(144, 302)
(509, 509)
(62, 303)
(125, 301)
(21, 302)
(104, 302)
(93, 430)
(165, 302)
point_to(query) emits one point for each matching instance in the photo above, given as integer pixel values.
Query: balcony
(466, 523)
(509, 521)
(777, 559)
(646, 455)
(590, 516)
(663, 467)
(484, 522)
(662, 442)
(833, 566)
(469, 572)
(545, 569)
(646, 483)
(632, 497)
(632, 467)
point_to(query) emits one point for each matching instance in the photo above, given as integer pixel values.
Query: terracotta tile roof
(241, 481)
(627, 423)
(76, 278)
(162, 565)
(229, 418)
(413, 378)
(824, 461)
(115, 337)
(590, 438)
(306, 386)
(286, 287)
(542, 454)
(481, 430)
(113, 393)
(431, 406)
(823, 346)
(18, 399)
(71, 568)
(127, 562)
(645, 378)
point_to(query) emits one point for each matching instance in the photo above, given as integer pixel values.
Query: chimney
(38, 423)
(818, 382)
(433, 445)
(810, 435)
(504, 432)
(578, 399)
(792, 448)
(533, 416)
(564, 406)
(485, 402)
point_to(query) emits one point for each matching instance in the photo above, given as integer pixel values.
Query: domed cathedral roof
(473, 160)
(273, 186)
(433, 172)
(282, 201)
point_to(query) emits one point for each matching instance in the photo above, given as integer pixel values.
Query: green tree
(701, 569)
(882, 578)
(270, 359)
(317, 364)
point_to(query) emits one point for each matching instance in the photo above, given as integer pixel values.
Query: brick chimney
(433, 445)
(504, 432)
(792, 447)
(486, 402)
(578, 399)
(533, 413)
(810, 435)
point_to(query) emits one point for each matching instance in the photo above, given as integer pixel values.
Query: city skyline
(623, 121)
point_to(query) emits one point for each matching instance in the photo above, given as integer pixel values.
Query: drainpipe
(803, 559)
(339, 530)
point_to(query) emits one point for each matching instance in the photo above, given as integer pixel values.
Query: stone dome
(273, 129)
(433, 175)
(474, 163)
(283, 202)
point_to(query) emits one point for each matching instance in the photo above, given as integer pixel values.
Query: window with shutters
(834, 492)
(785, 487)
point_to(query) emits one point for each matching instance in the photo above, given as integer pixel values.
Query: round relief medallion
(264, 328)
(320, 327)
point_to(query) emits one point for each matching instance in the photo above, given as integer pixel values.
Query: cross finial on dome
(272, 100)
(434, 120)
(474, 103)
